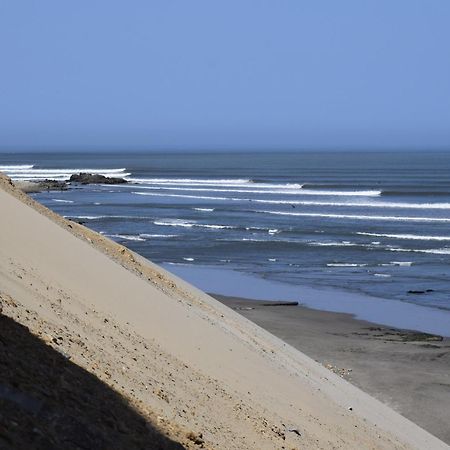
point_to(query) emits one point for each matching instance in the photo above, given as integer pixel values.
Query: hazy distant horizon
(226, 150)
(233, 75)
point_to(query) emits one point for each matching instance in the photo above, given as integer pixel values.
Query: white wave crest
(16, 167)
(434, 251)
(28, 172)
(109, 217)
(86, 217)
(58, 200)
(146, 235)
(280, 190)
(336, 244)
(189, 181)
(358, 217)
(373, 204)
(174, 223)
(215, 227)
(416, 237)
(294, 202)
(68, 170)
(190, 224)
(402, 263)
(154, 194)
(127, 237)
(346, 265)
(285, 189)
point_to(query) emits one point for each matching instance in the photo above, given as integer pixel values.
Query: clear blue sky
(224, 74)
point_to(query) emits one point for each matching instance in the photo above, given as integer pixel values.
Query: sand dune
(201, 373)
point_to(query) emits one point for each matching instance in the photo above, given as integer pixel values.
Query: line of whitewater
(28, 172)
(306, 202)
(60, 171)
(358, 217)
(190, 181)
(414, 237)
(16, 167)
(286, 189)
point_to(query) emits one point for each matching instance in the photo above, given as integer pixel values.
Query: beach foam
(16, 167)
(146, 235)
(433, 251)
(273, 189)
(190, 224)
(61, 200)
(358, 217)
(190, 181)
(406, 236)
(127, 237)
(28, 172)
(346, 265)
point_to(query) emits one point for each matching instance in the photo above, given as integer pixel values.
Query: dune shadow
(48, 402)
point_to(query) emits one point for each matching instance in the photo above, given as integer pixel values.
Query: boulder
(94, 178)
(31, 187)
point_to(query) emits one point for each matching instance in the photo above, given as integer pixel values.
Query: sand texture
(407, 370)
(193, 370)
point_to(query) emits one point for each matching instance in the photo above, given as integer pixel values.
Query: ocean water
(370, 222)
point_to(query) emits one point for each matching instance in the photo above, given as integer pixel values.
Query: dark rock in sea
(92, 178)
(280, 304)
(31, 187)
(53, 185)
(417, 292)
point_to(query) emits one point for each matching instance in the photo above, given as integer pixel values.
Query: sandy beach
(406, 370)
(169, 365)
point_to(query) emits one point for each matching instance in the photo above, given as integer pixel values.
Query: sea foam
(28, 172)
(358, 217)
(406, 236)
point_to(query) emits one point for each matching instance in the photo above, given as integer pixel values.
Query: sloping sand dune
(197, 370)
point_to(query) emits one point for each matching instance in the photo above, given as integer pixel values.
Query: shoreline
(390, 313)
(404, 313)
(191, 367)
(407, 370)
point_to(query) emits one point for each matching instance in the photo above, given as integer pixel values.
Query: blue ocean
(375, 223)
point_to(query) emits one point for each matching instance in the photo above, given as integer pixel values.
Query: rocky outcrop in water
(93, 178)
(41, 185)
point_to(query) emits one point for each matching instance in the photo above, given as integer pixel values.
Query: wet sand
(407, 370)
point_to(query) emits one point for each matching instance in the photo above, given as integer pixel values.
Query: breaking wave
(270, 189)
(416, 237)
(434, 251)
(58, 200)
(28, 172)
(359, 217)
(346, 265)
(190, 224)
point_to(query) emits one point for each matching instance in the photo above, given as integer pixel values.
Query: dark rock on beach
(92, 178)
(418, 292)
